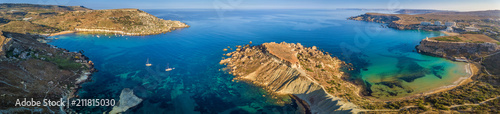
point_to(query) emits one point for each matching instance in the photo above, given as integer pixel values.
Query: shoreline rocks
(32, 69)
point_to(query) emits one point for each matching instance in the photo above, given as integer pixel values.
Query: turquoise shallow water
(384, 58)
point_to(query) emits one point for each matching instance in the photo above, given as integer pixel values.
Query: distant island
(53, 20)
(30, 68)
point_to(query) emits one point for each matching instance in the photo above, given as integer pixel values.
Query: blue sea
(384, 59)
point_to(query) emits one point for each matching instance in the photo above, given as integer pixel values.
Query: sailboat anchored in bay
(147, 62)
(168, 68)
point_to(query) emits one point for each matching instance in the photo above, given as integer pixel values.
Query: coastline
(60, 33)
(105, 31)
(457, 83)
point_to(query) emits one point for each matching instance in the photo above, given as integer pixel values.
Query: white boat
(98, 36)
(147, 63)
(169, 69)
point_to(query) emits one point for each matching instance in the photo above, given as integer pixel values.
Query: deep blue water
(197, 84)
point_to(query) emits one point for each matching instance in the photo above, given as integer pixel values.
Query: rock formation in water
(127, 100)
(288, 68)
(456, 49)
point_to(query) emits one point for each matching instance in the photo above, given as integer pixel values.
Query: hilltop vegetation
(38, 8)
(127, 20)
(48, 19)
(471, 38)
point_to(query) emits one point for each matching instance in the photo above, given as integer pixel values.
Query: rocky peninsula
(53, 20)
(452, 47)
(287, 68)
(132, 22)
(31, 69)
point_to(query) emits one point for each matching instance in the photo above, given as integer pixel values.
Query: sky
(457, 5)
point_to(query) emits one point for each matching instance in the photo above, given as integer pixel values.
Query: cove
(384, 58)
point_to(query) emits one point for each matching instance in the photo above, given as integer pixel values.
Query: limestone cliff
(286, 68)
(449, 50)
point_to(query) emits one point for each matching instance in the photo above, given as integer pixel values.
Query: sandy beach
(459, 82)
(470, 68)
(61, 33)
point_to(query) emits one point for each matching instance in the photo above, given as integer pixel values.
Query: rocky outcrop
(456, 49)
(375, 17)
(3, 41)
(30, 69)
(113, 21)
(127, 100)
(293, 69)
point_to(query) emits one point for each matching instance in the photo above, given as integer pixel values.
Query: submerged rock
(127, 100)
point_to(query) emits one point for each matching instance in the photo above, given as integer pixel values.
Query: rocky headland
(306, 72)
(31, 69)
(51, 20)
(448, 48)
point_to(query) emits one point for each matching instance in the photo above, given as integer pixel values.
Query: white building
(425, 23)
(450, 24)
(437, 23)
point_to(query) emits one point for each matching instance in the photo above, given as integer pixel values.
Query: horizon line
(276, 8)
